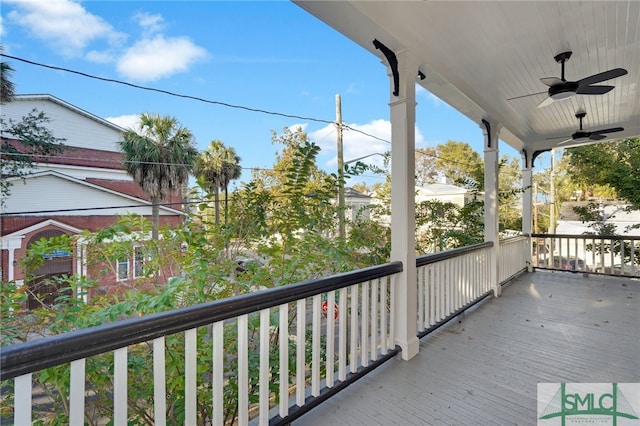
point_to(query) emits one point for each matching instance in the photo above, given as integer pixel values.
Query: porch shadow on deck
(484, 366)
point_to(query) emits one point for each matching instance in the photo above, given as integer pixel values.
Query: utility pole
(552, 194)
(341, 219)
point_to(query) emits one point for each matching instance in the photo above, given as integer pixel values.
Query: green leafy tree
(159, 157)
(426, 169)
(612, 164)
(445, 225)
(459, 163)
(509, 193)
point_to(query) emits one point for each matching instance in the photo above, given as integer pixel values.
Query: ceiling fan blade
(611, 130)
(597, 78)
(596, 136)
(548, 101)
(526, 96)
(557, 137)
(551, 81)
(594, 90)
(565, 141)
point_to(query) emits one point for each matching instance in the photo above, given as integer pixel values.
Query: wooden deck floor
(483, 367)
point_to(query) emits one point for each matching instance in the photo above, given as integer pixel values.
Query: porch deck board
(483, 367)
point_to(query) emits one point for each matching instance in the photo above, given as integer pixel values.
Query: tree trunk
(155, 218)
(217, 206)
(226, 204)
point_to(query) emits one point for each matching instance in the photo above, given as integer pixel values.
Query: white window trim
(134, 262)
(118, 263)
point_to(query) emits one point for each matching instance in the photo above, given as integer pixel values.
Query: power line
(106, 160)
(167, 204)
(166, 92)
(214, 102)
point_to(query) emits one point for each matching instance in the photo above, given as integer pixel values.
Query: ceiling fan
(560, 88)
(582, 135)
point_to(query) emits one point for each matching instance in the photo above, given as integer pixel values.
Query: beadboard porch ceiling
(479, 55)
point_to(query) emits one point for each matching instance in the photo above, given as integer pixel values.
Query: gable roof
(40, 225)
(58, 101)
(352, 193)
(73, 190)
(441, 189)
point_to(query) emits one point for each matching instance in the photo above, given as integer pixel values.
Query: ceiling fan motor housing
(581, 136)
(564, 90)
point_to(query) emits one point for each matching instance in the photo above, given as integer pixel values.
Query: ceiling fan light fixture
(564, 94)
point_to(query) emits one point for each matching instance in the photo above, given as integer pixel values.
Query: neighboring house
(83, 188)
(612, 212)
(442, 192)
(569, 223)
(357, 205)
(445, 193)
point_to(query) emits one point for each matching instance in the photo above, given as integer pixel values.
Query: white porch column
(403, 117)
(11, 244)
(527, 199)
(491, 163)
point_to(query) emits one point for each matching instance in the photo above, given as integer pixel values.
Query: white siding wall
(54, 193)
(79, 128)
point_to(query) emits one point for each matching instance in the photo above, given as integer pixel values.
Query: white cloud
(357, 143)
(159, 57)
(63, 24)
(104, 57)
(150, 23)
(125, 121)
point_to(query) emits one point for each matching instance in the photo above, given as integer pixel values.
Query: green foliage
(283, 218)
(613, 164)
(444, 225)
(459, 163)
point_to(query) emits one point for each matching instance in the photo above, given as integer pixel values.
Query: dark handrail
(35, 355)
(450, 254)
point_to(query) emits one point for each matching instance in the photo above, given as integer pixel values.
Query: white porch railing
(265, 357)
(611, 255)
(449, 281)
(514, 256)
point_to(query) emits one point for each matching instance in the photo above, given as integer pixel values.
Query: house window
(138, 262)
(122, 266)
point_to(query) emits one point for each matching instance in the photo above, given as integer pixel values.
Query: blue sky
(266, 55)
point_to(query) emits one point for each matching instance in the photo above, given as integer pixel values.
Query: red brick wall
(92, 223)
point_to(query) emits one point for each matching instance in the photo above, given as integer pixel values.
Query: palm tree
(215, 168)
(232, 171)
(7, 88)
(159, 157)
